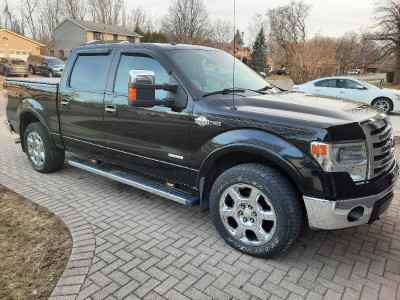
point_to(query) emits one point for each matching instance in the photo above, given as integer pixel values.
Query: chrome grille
(380, 143)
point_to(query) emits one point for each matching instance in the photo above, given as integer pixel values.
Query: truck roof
(169, 46)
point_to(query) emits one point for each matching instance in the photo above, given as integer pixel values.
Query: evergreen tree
(259, 57)
(237, 38)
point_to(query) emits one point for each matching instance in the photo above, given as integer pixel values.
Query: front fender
(281, 152)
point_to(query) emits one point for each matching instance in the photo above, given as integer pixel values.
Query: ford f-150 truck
(187, 123)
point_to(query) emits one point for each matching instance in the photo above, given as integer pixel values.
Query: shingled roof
(101, 27)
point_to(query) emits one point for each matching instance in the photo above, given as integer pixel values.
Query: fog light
(355, 214)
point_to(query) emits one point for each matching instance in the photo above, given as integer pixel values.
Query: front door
(81, 104)
(154, 140)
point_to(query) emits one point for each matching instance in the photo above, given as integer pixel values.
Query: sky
(330, 18)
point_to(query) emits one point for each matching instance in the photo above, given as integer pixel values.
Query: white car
(354, 72)
(353, 89)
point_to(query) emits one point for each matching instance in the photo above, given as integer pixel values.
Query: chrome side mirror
(263, 75)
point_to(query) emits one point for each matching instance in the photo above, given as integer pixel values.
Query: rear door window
(326, 83)
(89, 71)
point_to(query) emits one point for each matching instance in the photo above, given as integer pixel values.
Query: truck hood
(306, 107)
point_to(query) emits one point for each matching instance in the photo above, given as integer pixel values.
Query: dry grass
(34, 248)
(278, 77)
(387, 85)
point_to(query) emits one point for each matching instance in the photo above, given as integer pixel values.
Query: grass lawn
(278, 77)
(387, 85)
(34, 248)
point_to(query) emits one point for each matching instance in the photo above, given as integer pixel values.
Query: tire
(269, 217)
(26, 75)
(42, 156)
(384, 104)
(31, 70)
(6, 73)
(50, 74)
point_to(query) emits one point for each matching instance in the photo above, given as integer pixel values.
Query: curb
(83, 240)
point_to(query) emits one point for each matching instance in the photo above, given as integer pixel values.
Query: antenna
(234, 52)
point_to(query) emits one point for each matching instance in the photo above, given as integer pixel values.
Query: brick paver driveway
(147, 247)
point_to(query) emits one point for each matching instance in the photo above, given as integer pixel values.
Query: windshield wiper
(225, 91)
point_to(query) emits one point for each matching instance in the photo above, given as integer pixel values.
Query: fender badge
(203, 121)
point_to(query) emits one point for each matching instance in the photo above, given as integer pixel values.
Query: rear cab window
(89, 71)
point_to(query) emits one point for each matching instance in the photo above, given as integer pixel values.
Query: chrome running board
(136, 181)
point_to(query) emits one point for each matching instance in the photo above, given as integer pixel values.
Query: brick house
(71, 33)
(17, 46)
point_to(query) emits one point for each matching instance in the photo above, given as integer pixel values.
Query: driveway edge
(83, 240)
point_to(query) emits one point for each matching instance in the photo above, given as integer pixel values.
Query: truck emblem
(175, 156)
(203, 121)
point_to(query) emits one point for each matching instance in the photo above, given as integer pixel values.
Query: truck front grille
(380, 145)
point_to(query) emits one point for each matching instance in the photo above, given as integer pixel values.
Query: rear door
(81, 102)
(325, 87)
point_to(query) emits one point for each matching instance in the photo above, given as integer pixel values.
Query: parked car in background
(353, 89)
(282, 72)
(352, 72)
(13, 66)
(47, 65)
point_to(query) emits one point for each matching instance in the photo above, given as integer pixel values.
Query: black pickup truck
(189, 124)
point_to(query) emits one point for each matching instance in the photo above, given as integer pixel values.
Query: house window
(52, 52)
(131, 39)
(98, 36)
(61, 53)
(115, 37)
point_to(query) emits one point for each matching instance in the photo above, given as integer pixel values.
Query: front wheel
(383, 104)
(256, 210)
(50, 74)
(42, 155)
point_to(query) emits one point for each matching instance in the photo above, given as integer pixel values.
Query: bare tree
(187, 22)
(75, 9)
(288, 30)
(387, 32)
(107, 11)
(139, 17)
(348, 49)
(222, 31)
(257, 22)
(11, 20)
(28, 11)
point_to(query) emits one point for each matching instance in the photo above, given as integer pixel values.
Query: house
(71, 33)
(238, 52)
(17, 46)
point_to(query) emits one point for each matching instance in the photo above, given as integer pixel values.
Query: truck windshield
(211, 71)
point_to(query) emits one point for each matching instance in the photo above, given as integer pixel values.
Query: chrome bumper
(327, 214)
(9, 126)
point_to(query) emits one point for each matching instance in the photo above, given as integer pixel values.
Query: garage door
(22, 54)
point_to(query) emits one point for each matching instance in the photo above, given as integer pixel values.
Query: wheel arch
(229, 156)
(28, 115)
(386, 98)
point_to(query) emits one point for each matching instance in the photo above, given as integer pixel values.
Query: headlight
(345, 157)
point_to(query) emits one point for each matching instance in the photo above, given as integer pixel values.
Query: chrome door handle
(65, 103)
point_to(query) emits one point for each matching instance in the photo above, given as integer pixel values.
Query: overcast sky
(327, 17)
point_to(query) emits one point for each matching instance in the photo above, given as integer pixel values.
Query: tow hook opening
(356, 214)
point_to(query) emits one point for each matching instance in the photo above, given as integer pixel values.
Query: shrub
(389, 76)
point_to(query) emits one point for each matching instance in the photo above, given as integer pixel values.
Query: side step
(137, 182)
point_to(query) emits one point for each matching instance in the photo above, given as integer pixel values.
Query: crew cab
(186, 123)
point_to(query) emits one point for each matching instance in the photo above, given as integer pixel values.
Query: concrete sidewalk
(129, 244)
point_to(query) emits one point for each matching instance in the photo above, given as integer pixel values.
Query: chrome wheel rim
(247, 214)
(382, 105)
(35, 148)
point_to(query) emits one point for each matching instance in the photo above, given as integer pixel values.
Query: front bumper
(9, 126)
(327, 214)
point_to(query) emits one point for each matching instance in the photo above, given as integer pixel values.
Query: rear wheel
(42, 155)
(384, 104)
(256, 210)
(31, 70)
